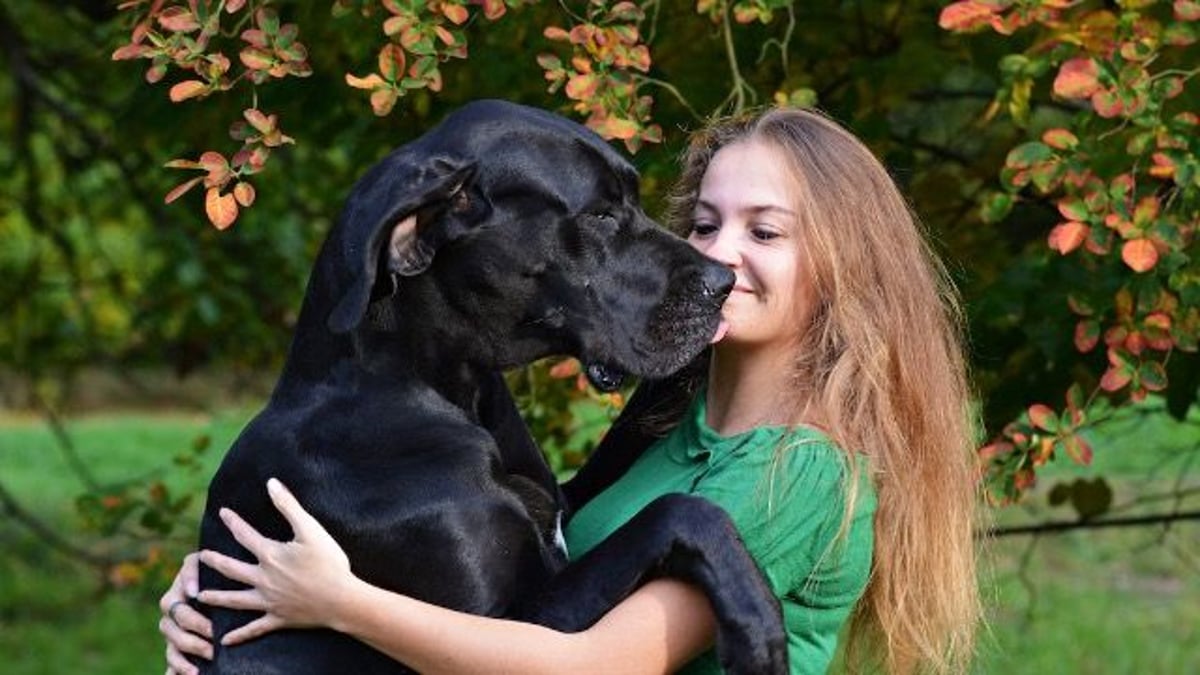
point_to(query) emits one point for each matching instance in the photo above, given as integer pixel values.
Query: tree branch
(11, 508)
(1056, 526)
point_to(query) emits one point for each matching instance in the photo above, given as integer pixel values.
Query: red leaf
(1060, 139)
(1115, 378)
(1077, 78)
(1078, 449)
(222, 209)
(181, 189)
(564, 369)
(391, 62)
(1107, 104)
(1139, 254)
(262, 123)
(1068, 236)
(493, 9)
(456, 13)
(1087, 334)
(582, 87)
(1187, 10)
(187, 89)
(1043, 417)
(555, 33)
(256, 59)
(178, 20)
(129, 52)
(967, 15)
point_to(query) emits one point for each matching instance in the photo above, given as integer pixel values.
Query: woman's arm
(308, 582)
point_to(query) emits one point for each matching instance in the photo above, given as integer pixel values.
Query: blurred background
(1048, 146)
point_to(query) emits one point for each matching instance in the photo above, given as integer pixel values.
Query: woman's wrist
(346, 602)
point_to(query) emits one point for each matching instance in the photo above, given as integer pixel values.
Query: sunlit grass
(1090, 601)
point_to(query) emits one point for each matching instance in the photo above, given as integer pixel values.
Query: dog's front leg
(686, 538)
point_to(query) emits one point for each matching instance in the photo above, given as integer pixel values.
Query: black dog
(504, 235)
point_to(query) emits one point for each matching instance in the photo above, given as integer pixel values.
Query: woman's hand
(294, 582)
(186, 630)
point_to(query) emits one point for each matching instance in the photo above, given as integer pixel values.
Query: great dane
(503, 235)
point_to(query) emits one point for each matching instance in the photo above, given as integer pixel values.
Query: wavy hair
(882, 357)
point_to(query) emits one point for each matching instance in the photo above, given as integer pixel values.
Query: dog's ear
(386, 214)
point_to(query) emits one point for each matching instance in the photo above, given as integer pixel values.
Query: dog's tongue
(722, 328)
(604, 378)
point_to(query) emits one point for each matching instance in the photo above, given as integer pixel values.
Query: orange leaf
(371, 81)
(262, 123)
(1060, 139)
(222, 209)
(178, 20)
(391, 62)
(555, 33)
(565, 368)
(129, 52)
(187, 89)
(181, 189)
(581, 87)
(456, 13)
(1077, 78)
(1068, 236)
(1139, 254)
(444, 35)
(1043, 417)
(616, 127)
(244, 193)
(382, 101)
(967, 15)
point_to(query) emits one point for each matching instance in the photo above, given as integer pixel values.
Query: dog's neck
(390, 350)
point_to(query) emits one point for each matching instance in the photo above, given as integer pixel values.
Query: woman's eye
(701, 229)
(764, 233)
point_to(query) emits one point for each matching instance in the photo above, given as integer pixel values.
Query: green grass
(1093, 601)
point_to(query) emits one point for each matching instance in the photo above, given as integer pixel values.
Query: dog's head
(526, 231)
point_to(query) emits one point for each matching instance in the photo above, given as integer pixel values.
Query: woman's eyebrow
(753, 209)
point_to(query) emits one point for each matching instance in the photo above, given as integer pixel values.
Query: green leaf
(1027, 154)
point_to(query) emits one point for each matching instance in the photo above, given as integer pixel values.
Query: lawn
(1121, 600)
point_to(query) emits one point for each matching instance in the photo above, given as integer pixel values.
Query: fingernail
(273, 484)
(224, 513)
(192, 589)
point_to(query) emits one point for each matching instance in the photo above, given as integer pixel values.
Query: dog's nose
(716, 281)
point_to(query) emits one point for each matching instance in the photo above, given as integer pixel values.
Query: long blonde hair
(882, 359)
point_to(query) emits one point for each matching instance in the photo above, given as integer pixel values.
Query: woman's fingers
(183, 642)
(232, 568)
(245, 534)
(176, 663)
(249, 599)
(256, 628)
(189, 574)
(286, 503)
(192, 621)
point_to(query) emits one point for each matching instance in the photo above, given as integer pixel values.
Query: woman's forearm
(656, 630)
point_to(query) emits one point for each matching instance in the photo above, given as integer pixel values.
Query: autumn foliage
(1103, 95)
(1123, 174)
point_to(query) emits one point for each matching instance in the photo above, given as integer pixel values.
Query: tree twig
(1057, 526)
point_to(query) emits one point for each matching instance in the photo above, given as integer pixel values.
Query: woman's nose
(723, 247)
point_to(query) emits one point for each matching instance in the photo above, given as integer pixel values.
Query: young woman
(832, 422)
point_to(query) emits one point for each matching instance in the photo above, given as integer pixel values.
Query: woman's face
(745, 218)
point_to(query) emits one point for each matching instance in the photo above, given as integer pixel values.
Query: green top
(788, 515)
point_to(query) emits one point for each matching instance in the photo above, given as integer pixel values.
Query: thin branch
(11, 508)
(1055, 527)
